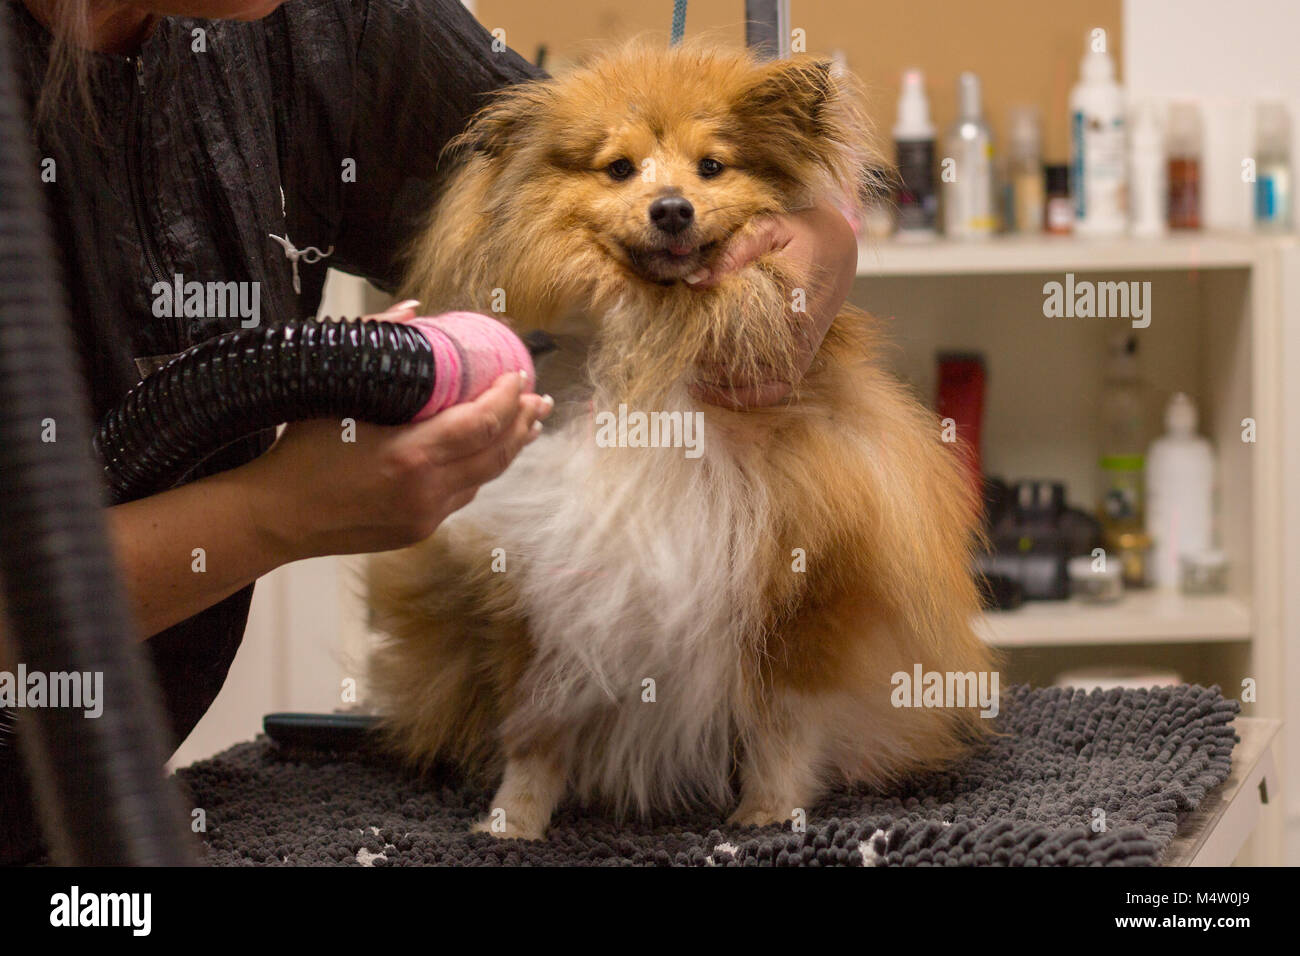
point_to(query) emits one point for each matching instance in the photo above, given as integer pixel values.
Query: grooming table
(1214, 833)
(1118, 777)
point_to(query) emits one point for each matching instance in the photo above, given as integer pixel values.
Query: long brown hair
(67, 77)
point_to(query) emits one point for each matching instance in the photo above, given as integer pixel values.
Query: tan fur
(851, 471)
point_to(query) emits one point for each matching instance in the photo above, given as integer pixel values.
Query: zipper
(134, 152)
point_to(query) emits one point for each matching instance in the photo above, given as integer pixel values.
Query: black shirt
(321, 124)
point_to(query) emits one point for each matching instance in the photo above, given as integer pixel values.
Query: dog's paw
(503, 828)
(755, 816)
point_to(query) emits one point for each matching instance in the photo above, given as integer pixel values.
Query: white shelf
(1142, 617)
(1058, 254)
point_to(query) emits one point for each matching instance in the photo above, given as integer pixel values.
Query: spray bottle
(915, 196)
(1097, 144)
(968, 203)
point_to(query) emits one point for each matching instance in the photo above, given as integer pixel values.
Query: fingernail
(536, 429)
(408, 304)
(548, 402)
(696, 277)
(523, 375)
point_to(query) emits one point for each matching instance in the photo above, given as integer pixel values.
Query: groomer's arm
(313, 494)
(423, 68)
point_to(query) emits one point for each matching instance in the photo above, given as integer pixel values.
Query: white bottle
(968, 210)
(1180, 492)
(1146, 162)
(1097, 145)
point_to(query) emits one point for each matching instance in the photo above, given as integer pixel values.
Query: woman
(223, 149)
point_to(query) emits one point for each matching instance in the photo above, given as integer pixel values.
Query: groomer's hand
(392, 486)
(818, 244)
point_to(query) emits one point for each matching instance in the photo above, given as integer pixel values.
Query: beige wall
(1025, 51)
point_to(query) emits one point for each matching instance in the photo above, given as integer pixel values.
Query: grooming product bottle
(968, 203)
(1123, 440)
(1028, 195)
(915, 197)
(1028, 191)
(1273, 182)
(1058, 212)
(1184, 145)
(1148, 190)
(1180, 493)
(1097, 145)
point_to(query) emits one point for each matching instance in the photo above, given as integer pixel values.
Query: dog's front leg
(778, 774)
(533, 785)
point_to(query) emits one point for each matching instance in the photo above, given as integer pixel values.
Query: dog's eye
(620, 169)
(709, 167)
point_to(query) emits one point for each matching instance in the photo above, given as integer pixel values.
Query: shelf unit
(1220, 304)
(1005, 255)
(1144, 617)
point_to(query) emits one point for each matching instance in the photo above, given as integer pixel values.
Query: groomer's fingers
(492, 461)
(402, 311)
(766, 234)
(468, 428)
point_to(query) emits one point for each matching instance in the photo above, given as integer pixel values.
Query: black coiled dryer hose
(384, 373)
(99, 783)
(241, 382)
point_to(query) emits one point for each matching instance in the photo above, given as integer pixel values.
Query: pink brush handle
(470, 352)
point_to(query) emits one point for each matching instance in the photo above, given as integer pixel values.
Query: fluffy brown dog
(631, 613)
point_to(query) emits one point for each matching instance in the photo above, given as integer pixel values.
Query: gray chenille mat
(1034, 796)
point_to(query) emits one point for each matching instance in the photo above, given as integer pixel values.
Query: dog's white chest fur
(635, 569)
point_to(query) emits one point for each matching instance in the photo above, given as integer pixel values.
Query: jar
(1132, 549)
(1094, 586)
(1204, 572)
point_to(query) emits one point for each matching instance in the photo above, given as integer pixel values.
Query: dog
(634, 625)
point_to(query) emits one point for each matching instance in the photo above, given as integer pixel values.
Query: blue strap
(679, 21)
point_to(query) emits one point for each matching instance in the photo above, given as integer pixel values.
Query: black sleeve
(423, 68)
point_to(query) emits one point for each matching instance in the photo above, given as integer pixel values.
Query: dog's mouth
(670, 261)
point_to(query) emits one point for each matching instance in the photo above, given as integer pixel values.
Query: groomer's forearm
(184, 550)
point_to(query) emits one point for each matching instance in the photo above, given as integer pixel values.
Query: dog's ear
(798, 111)
(499, 125)
(494, 128)
(794, 93)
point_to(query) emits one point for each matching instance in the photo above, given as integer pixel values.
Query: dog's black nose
(671, 214)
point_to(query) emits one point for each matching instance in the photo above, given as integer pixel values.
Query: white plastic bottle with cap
(1180, 492)
(917, 201)
(1149, 193)
(1098, 155)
